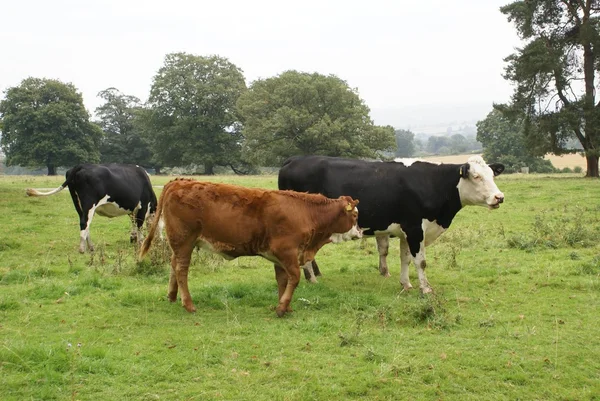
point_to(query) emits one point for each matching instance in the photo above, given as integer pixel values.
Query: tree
(193, 116)
(555, 75)
(405, 142)
(438, 144)
(299, 113)
(44, 123)
(504, 142)
(120, 121)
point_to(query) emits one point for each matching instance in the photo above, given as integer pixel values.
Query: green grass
(514, 314)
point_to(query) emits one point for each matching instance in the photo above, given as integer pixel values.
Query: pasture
(515, 313)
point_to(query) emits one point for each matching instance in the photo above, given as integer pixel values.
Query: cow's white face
(477, 186)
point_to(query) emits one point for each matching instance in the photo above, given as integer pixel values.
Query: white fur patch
(112, 209)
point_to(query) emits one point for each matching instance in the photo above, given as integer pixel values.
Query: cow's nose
(500, 198)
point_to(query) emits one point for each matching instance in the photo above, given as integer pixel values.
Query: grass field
(514, 316)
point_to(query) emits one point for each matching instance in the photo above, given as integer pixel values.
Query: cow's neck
(447, 182)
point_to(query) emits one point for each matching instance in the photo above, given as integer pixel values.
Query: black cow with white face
(412, 200)
(109, 190)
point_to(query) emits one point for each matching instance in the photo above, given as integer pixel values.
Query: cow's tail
(153, 227)
(69, 178)
(35, 192)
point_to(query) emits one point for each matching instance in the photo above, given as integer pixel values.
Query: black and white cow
(109, 190)
(415, 201)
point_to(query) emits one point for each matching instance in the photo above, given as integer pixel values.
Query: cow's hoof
(172, 298)
(427, 290)
(190, 307)
(312, 280)
(81, 250)
(280, 311)
(407, 287)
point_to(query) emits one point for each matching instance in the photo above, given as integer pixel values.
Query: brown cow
(284, 227)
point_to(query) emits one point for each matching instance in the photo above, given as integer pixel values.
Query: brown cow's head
(349, 221)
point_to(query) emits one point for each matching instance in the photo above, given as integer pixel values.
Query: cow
(414, 200)
(284, 227)
(109, 190)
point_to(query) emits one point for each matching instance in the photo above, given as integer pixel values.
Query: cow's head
(476, 185)
(349, 219)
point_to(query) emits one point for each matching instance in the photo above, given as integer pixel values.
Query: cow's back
(377, 185)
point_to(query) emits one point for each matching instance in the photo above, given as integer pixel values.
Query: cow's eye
(476, 177)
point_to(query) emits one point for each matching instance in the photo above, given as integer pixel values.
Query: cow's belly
(110, 209)
(431, 231)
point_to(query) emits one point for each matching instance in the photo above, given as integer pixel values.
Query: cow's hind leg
(292, 271)
(172, 295)
(383, 244)
(85, 221)
(182, 265)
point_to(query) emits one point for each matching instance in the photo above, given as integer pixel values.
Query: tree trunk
(52, 169)
(157, 170)
(209, 169)
(592, 166)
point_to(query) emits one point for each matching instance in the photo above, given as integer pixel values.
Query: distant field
(514, 315)
(571, 160)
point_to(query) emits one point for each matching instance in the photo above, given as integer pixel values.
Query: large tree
(193, 117)
(120, 119)
(504, 142)
(44, 123)
(299, 113)
(405, 143)
(555, 74)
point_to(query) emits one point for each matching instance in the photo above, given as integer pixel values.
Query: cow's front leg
(416, 244)
(404, 262)
(383, 244)
(421, 264)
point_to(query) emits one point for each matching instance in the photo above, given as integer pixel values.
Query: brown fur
(286, 227)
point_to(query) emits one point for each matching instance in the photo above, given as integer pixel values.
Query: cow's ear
(464, 170)
(497, 168)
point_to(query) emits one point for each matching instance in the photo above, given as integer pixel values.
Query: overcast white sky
(414, 62)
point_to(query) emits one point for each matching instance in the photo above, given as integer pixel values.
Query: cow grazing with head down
(284, 227)
(415, 201)
(109, 190)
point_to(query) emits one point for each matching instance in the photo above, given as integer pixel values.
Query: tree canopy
(193, 115)
(44, 123)
(298, 113)
(119, 118)
(503, 141)
(555, 75)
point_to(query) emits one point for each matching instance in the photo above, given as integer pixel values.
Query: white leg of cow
(383, 244)
(420, 264)
(404, 262)
(309, 273)
(84, 234)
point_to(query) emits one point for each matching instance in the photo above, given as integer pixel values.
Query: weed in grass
(591, 267)
(431, 310)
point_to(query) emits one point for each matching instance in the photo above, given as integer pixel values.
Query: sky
(414, 63)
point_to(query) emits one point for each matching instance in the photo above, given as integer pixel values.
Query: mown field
(514, 316)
